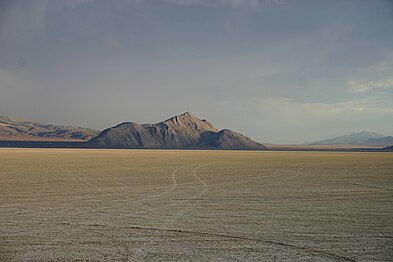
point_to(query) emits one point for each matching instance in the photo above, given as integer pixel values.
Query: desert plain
(179, 205)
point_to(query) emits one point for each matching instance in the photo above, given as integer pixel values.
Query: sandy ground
(152, 205)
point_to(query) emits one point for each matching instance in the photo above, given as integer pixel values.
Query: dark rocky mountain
(15, 129)
(183, 131)
(360, 138)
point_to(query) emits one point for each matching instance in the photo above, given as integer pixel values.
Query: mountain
(389, 148)
(183, 131)
(228, 139)
(24, 130)
(360, 138)
(382, 141)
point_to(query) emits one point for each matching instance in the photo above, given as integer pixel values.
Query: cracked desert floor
(157, 205)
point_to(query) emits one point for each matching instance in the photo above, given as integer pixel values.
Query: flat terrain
(156, 205)
(321, 147)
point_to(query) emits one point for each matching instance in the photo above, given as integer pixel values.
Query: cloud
(299, 110)
(216, 3)
(381, 66)
(261, 73)
(200, 3)
(22, 19)
(283, 120)
(360, 86)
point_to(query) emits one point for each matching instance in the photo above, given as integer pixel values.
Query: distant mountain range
(389, 148)
(23, 130)
(361, 138)
(185, 131)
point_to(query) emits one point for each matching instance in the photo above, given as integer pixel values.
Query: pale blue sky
(280, 71)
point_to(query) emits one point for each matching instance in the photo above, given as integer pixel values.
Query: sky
(278, 71)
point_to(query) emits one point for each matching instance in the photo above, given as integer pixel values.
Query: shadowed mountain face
(382, 141)
(23, 130)
(361, 138)
(389, 148)
(184, 131)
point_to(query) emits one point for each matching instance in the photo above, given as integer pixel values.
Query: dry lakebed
(184, 205)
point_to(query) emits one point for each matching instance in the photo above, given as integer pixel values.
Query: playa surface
(165, 205)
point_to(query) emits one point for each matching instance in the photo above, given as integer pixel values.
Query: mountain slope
(183, 131)
(389, 148)
(124, 135)
(361, 138)
(382, 141)
(228, 139)
(24, 130)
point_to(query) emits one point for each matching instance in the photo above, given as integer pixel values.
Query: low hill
(185, 131)
(15, 129)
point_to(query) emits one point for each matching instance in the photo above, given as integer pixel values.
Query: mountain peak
(188, 121)
(187, 114)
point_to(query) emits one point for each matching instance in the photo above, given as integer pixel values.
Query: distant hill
(360, 138)
(183, 131)
(24, 130)
(383, 141)
(389, 148)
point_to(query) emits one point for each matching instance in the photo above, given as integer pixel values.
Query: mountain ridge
(388, 148)
(19, 129)
(357, 138)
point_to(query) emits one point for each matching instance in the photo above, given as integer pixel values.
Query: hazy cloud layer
(278, 71)
(370, 86)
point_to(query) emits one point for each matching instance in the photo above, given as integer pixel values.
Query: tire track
(116, 181)
(45, 187)
(61, 238)
(266, 241)
(141, 253)
(369, 186)
(278, 171)
(82, 227)
(364, 185)
(84, 181)
(171, 189)
(204, 184)
(126, 202)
